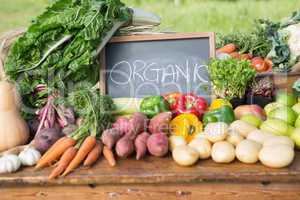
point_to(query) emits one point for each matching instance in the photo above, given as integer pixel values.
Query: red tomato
(269, 64)
(259, 64)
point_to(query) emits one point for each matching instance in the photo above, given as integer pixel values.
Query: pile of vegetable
(271, 45)
(249, 139)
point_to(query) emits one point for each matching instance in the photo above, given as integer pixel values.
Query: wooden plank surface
(205, 191)
(159, 170)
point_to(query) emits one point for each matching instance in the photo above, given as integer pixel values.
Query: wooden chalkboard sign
(138, 66)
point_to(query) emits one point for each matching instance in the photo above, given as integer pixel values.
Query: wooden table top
(153, 170)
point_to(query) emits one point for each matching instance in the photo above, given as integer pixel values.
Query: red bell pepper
(172, 99)
(191, 103)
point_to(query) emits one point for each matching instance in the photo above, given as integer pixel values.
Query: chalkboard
(139, 66)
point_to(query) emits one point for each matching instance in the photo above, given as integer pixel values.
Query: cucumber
(127, 106)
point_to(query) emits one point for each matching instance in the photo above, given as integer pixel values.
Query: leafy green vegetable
(60, 47)
(254, 42)
(282, 53)
(231, 77)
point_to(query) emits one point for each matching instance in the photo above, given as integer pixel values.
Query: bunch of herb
(231, 77)
(95, 110)
(61, 46)
(255, 42)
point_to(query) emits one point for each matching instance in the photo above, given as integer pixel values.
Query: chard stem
(53, 48)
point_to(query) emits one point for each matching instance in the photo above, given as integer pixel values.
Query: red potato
(137, 124)
(110, 137)
(160, 123)
(140, 144)
(124, 147)
(249, 109)
(157, 144)
(122, 124)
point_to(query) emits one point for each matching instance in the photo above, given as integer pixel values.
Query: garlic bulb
(29, 156)
(9, 164)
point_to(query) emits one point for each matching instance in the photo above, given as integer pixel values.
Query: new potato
(234, 137)
(279, 140)
(216, 132)
(202, 146)
(276, 156)
(259, 136)
(247, 151)
(223, 152)
(242, 127)
(185, 155)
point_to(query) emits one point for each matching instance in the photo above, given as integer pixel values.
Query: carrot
(63, 162)
(55, 152)
(93, 156)
(86, 147)
(109, 156)
(228, 48)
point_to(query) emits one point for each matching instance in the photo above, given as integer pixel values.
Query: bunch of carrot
(71, 153)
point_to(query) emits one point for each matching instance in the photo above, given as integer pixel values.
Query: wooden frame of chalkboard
(153, 37)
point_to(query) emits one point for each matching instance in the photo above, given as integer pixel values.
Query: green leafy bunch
(60, 46)
(231, 78)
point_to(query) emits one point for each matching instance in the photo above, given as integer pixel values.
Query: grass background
(191, 15)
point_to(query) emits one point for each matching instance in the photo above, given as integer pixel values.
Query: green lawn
(192, 15)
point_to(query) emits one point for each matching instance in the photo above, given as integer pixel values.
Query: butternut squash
(13, 128)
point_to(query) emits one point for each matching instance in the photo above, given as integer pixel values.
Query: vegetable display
(74, 124)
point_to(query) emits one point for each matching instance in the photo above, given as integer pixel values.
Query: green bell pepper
(154, 105)
(222, 114)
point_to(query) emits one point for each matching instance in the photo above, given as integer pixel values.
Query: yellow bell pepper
(218, 103)
(186, 125)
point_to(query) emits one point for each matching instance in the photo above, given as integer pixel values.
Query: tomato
(259, 64)
(269, 64)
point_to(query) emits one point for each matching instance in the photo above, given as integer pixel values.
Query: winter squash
(13, 128)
